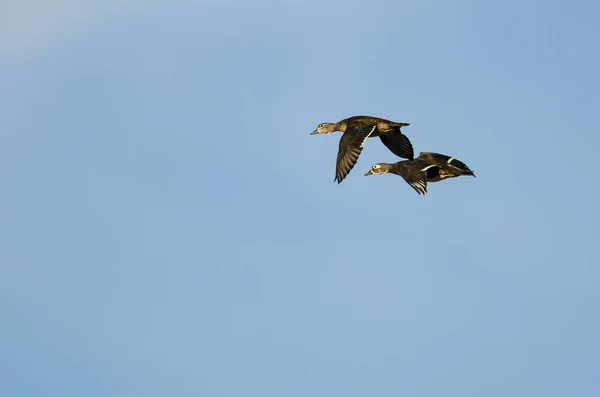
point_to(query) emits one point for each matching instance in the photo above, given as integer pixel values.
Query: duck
(427, 167)
(356, 130)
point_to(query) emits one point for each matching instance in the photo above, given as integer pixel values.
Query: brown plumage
(428, 167)
(356, 130)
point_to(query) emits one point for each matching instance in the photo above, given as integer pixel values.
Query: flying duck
(356, 130)
(428, 167)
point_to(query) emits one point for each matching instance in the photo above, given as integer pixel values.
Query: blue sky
(169, 227)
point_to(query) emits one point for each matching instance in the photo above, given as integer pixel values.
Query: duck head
(324, 128)
(380, 169)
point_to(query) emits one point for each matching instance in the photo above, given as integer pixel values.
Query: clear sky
(168, 227)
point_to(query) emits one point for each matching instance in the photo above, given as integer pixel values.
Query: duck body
(356, 130)
(383, 126)
(441, 166)
(427, 167)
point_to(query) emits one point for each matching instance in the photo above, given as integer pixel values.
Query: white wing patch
(428, 167)
(364, 140)
(450, 160)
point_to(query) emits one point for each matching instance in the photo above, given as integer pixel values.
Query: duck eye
(375, 166)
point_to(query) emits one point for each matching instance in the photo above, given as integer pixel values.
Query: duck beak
(314, 132)
(369, 173)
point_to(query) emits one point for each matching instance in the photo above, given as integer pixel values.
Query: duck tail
(462, 167)
(469, 173)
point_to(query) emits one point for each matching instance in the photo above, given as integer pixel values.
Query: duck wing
(398, 143)
(415, 177)
(460, 166)
(351, 146)
(443, 160)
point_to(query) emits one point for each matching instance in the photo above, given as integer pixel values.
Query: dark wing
(442, 159)
(398, 143)
(351, 146)
(431, 171)
(415, 177)
(459, 164)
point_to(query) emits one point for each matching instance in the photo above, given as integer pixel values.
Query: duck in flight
(428, 167)
(355, 131)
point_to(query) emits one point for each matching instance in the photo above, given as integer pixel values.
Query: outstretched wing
(398, 143)
(351, 146)
(415, 177)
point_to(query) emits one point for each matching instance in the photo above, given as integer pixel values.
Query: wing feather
(351, 146)
(415, 177)
(398, 143)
